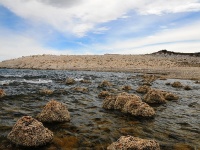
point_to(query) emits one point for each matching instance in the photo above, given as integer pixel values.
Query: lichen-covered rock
(54, 112)
(103, 94)
(134, 143)
(70, 81)
(46, 92)
(143, 89)
(109, 102)
(126, 88)
(29, 132)
(2, 93)
(104, 83)
(80, 89)
(177, 84)
(154, 96)
(122, 98)
(137, 108)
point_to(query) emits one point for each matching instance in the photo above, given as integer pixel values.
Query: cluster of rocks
(2, 93)
(128, 103)
(30, 132)
(134, 143)
(178, 84)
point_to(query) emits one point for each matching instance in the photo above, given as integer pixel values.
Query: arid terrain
(172, 66)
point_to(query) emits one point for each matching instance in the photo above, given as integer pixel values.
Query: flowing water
(175, 126)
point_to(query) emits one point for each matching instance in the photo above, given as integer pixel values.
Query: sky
(86, 27)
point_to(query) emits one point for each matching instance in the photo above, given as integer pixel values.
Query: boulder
(70, 81)
(29, 132)
(46, 92)
(177, 84)
(103, 94)
(80, 89)
(2, 93)
(109, 102)
(154, 96)
(104, 83)
(54, 112)
(126, 88)
(143, 89)
(134, 143)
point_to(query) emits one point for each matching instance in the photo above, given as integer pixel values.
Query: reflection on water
(176, 125)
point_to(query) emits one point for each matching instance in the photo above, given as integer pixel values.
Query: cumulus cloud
(79, 17)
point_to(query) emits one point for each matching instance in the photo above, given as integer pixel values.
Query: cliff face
(165, 52)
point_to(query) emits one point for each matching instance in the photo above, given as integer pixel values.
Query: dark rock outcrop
(29, 132)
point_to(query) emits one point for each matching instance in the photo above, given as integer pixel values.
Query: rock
(177, 84)
(170, 96)
(104, 83)
(146, 83)
(137, 108)
(134, 143)
(46, 92)
(122, 98)
(109, 102)
(143, 89)
(2, 93)
(54, 112)
(154, 96)
(85, 81)
(80, 89)
(126, 87)
(168, 83)
(29, 132)
(70, 81)
(187, 87)
(149, 78)
(103, 94)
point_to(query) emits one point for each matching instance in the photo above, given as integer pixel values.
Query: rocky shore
(170, 66)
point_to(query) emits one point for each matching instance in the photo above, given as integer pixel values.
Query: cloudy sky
(29, 27)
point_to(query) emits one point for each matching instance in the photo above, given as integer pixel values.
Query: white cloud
(81, 16)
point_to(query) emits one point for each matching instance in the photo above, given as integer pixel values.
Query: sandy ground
(186, 67)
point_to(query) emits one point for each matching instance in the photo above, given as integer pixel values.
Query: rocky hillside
(166, 52)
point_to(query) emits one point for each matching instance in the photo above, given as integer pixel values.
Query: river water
(175, 126)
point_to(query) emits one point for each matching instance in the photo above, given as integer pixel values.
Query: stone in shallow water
(70, 81)
(143, 89)
(177, 84)
(134, 143)
(54, 112)
(29, 132)
(2, 93)
(46, 92)
(104, 83)
(154, 96)
(103, 94)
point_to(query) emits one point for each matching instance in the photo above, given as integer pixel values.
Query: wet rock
(146, 83)
(80, 89)
(187, 87)
(168, 83)
(134, 143)
(68, 142)
(122, 98)
(54, 112)
(46, 92)
(104, 83)
(154, 96)
(109, 102)
(137, 108)
(103, 94)
(126, 88)
(143, 89)
(177, 84)
(2, 93)
(183, 146)
(197, 82)
(170, 96)
(29, 132)
(70, 81)
(149, 78)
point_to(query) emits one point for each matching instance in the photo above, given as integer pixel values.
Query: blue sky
(97, 27)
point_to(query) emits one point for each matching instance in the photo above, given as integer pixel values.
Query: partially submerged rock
(103, 94)
(70, 81)
(46, 92)
(170, 96)
(29, 132)
(54, 112)
(187, 87)
(134, 143)
(149, 78)
(104, 83)
(143, 89)
(154, 96)
(129, 103)
(177, 84)
(2, 93)
(80, 89)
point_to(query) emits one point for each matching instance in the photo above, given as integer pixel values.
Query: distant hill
(166, 52)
